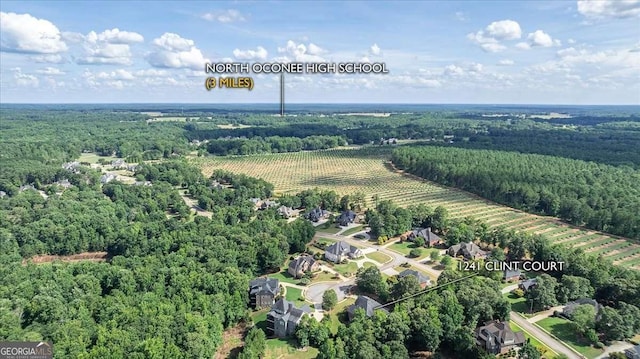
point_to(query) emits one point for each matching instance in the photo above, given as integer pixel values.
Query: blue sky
(529, 52)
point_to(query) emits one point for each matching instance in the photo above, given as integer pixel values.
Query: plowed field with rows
(368, 170)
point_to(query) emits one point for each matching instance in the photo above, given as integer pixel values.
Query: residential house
(430, 239)
(119, 163)
(633, 353)
(423, 280)
(509, 275)
(268, 204)
(365, 303)
(340, 251)
(496, 337)
(468, 250)
(142, 183)
(132, 168)
(256, 202)
(568, 310)
(64, 183)
(346, 218)
(3, 194)
(527, 284)
(71, 166)
(284, 317)
(106, 178)
(26, 188)
(286, 212)
(301, 265)
(263, 291)
(317, 214)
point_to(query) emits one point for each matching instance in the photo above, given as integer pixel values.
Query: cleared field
(367, 170)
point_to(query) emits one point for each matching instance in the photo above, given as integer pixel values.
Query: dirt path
(232, 342)
(80, 257)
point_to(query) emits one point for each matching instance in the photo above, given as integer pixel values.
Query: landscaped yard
(294, 295)
(346, 269)
(284, 276)
(564, 331)
(339, 311)
(518, 304)
(547, 353)
(353, 230)
(406, 247)
(286, 349)
(322, 277)
(260, 318)
(378, 257)
(328, 228)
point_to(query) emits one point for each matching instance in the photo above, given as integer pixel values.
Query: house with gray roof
(106, 178)
(317, 214)
(423, 280)
(365, 303)
(286, 212)
(346, 218)
(568, 310)
(301, 265)
(496, 337)
(633, 353)
(269, 204)
(263, 291)
(340, 251)
(509, 275)
(468, 250)
(430, 239)
(3, 194)
(284, 317)
(527, 284)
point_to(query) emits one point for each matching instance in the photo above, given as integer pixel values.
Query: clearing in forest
(368, 170)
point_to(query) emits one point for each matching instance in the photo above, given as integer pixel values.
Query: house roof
(419, 276)
(468, 249)
(499, 332)
(298, 262)
(341, 248)
(264, 285)
(365, 303)
(347, 215)
(633, 350)
(526, 284)
(508, 273)
(571, 306)
(287, 311)
(426, 234)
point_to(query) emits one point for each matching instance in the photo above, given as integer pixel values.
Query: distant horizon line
(312, 103)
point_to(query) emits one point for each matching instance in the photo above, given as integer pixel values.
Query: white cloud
(27, 34)
(609, 8)
(297, 52)
(505, 62)
(49, 59)
(107, 47)
(51, 71)
(460, 16)
(365, 59)
(24, 80)
(571, 41)
(173, 51)
(523, 46)
(453, 70)
(541, 38)
(493, 47)
(504, 30)
(226, 16)
(489, 38)
(115, 36)
(259, 54)
(314, 49)
(374, 49)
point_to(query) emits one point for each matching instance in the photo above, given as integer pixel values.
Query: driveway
(542, 336)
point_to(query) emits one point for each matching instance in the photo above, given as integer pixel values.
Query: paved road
(615, 347)
(543, 337)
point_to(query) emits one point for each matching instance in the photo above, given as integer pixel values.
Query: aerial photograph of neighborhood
(326, 179)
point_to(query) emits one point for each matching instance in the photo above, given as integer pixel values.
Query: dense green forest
(276, 144)
(587, 194)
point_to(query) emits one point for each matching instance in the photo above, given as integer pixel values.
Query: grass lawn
(294, 295)
(284, 276)
(260, 318)
(93, 158)
(378, 257)
(353, 230)
(345, 269)
(339, 312)
(406, 247)
(545, 350)
(286, 349)
(517, 304)
(328, 228)
(564, 331)
(322, 277)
